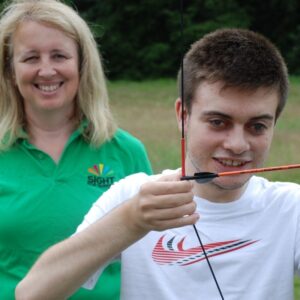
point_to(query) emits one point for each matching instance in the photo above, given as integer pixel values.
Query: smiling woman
(60, 148)
(47, 76)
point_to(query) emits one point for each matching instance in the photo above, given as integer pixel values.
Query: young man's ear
(178, 110)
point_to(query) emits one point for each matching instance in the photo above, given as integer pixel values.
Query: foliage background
(142, 39)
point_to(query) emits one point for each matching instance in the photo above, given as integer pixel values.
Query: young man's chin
(230, 183)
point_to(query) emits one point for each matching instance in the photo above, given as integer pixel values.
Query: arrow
(204, 177)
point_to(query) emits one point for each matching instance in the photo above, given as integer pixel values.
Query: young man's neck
(216, 193)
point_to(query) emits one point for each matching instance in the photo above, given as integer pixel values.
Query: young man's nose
(237, 141)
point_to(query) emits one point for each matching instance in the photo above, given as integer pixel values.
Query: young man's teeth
(231, 163)
(48, 88)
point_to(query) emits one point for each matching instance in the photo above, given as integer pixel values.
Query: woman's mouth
(48, 88)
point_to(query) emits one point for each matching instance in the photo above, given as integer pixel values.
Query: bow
(183, 147)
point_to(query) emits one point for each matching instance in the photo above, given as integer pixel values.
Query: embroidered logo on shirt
(183, 257)
(102, 176)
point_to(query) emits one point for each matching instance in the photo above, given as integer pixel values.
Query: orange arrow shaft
(259, 170)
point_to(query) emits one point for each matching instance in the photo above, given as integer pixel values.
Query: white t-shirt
(252, 243)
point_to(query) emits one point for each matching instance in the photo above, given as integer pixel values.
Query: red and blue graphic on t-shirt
(168, 255)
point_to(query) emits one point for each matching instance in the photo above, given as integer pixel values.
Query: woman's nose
(46, 69)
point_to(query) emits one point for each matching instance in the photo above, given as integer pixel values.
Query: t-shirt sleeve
(118, 193)
(92, 280)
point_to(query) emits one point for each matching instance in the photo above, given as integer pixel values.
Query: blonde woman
(60, 148)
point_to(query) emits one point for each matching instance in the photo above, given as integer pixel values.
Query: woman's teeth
(48, 88)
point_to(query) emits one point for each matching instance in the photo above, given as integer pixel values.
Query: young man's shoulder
(275, 190)
(272, 184)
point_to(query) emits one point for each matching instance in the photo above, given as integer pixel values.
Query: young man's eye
(259, 128)
(217, 123)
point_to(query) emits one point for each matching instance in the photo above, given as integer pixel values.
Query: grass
(146, 109)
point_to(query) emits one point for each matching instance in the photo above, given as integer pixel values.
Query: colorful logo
(102, 176)
(174, 254)
(101, 170)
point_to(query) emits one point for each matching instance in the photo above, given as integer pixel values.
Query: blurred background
(140, 39)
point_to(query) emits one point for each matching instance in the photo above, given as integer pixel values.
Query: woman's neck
(50, 135)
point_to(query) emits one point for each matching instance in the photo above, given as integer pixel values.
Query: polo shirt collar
(23, 135)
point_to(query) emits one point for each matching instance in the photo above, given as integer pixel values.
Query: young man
(236, 86)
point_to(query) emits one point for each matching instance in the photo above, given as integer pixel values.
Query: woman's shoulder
(124, 139)
(122, 134)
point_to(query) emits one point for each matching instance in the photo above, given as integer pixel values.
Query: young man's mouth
(231, 162)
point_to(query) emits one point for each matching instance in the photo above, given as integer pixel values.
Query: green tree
(142, 39)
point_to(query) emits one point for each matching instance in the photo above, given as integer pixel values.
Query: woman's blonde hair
(92, 99)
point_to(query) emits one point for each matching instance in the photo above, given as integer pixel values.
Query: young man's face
(227, 130)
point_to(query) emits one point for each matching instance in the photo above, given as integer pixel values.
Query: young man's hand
(165, 203)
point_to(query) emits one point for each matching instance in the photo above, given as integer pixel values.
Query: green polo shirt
(42, 202)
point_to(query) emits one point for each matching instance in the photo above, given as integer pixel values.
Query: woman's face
(46, 69)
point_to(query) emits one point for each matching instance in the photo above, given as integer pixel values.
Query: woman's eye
(59, 56)
(30, 59)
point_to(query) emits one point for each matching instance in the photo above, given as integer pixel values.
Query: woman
(59, 145)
